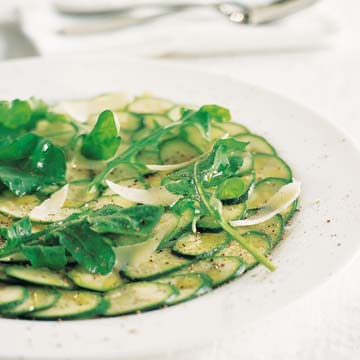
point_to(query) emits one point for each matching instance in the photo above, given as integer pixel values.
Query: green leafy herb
(52, 257)
(103, 141)
(18, 149)
(15, 234)
(87, 247)
(200, 182)
(201, 118)
(230, 189)
(83, 235)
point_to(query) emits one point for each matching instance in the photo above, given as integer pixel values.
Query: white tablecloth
(326, 323)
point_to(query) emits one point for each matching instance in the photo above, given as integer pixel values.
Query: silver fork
(234, 11)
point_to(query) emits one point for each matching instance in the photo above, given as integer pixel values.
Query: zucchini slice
(263, 191)
(84, 279)
(200, 245)
(230, 212)
(110, 200)
(17, 207)
(127, 121)
(160, 263)
(79, 194)
(73, 304)
(39, 298)
(155, 121)
(266, 165)
(41, 276)
(232, 128)
(139, 296)
(176, 151)
(18, 257)
(273, 227)
(248, 164)
(4, 277)
(150, 105)
(132, 251)
(194, 136)
(12, 295)
(257, 240)
(219, 269)
(188, 286)
(257, 144)
(288, 213)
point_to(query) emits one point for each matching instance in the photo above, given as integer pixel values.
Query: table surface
(326, 323)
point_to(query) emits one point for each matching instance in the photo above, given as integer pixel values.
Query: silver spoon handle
(275, 11)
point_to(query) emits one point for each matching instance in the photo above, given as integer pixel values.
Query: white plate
(321, 156)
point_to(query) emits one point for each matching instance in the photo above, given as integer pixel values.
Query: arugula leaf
(88, 248)
(137, 220)
(21, 114)
(200, 118)
(15, 115)
(103, 141)
(217, 113)
(18, 149)
(52, 257)
(20, 182)
(231, 188)
(49, 160)
(16, 234)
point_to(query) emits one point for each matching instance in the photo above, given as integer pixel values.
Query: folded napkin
(195, 32)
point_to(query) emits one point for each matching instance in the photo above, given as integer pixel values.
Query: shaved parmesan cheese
(80, 110)
(48, 208)
(154, 196)
(286, 195)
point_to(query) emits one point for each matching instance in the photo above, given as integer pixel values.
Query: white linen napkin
(201, 32)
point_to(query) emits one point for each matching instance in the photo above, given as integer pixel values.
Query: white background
(325, 324)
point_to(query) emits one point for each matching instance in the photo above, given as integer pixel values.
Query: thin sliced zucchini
(200, 245)
(127, 121)
(220, 269)
(149, 157)
(263, 191)
(176, 151)
(141, 134)
(160, 263)
(139, 296)
(230, 212)
(155, 121)
(79, 194)
(288, 213)
(4, 277)
(174, 113)
(74, 173)
(124, 172)
(12, 295)
(232, 128)
(15, 206)
(41, 276)
(194, 136)
(248, 164)
(266, 165)
(257, 240)
(273, 227)
(18, 257)
(59, 132)
(109, 200)
(133, 251)
(257, 144)
(71, 305)
(188, 286)
(150, 105)
(183, 224)
(156, 178)
(39, 298)
(84, 279)
(248, 182)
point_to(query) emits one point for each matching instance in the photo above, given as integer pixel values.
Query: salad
(112, 205)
